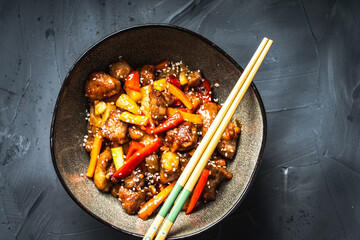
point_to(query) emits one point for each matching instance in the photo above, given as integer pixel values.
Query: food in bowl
(143, 127)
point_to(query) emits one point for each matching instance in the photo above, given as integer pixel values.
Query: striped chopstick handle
(170, 219)
(150, 234)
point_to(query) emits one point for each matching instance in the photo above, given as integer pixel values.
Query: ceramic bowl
(141, 45)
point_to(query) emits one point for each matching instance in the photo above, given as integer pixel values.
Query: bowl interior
(142, 45)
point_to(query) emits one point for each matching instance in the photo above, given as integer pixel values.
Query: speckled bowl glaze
(150, 44)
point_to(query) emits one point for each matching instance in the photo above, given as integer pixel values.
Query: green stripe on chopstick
(178, 205)
(170, 200)
(163, 212)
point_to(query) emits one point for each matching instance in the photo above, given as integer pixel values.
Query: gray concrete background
(308, 184)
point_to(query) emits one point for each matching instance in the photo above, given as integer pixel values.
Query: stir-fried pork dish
(144, 124)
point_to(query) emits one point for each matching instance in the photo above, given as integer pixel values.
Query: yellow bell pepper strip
(180, 95)
(126, 103)
(133, 81)
(95, 151)
(196, 103)
(169, 123)
(136, 159)
(145, 99)
(150, 206)
(100, 107)
(134, 147)
(106, 114)
(118, 156)
(183, 79)
(134, 95)
(197, 191)
(134, 119)
(190, 117)
(160, 84)
(95, 120)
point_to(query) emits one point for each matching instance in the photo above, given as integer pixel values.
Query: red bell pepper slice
(134, 147)
(177, 103)
(150, 126)
(136, 159)
(173, 80)
(170, 123)
(133, 81)
(204, 91)
(197, 191)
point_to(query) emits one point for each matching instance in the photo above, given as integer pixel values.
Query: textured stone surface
(308, 183)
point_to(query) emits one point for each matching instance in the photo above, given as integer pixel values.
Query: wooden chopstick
(206, 147)
(209, 150)
(200, 149)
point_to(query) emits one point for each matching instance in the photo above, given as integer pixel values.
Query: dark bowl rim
(207, 41)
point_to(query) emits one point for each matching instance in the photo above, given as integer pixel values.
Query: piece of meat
(169, 99)
(227, 145)
(169, 176)
(136, 180)
(157, 106)
(101, 85)
(217, 175)
(194, 79)
(162, 65)
(160, 75)
(115, 190)
(184, 159)
(153, 181)
(136, 133)
(152, 163)
(147, 74)
(147, 139)
(208, 112)
(111, 169)
(130, 200)
(114, 129)
(114, 98)
(183, 137)
(120, 70)
(101, 181)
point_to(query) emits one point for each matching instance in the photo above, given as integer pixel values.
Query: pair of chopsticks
(198, 161)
